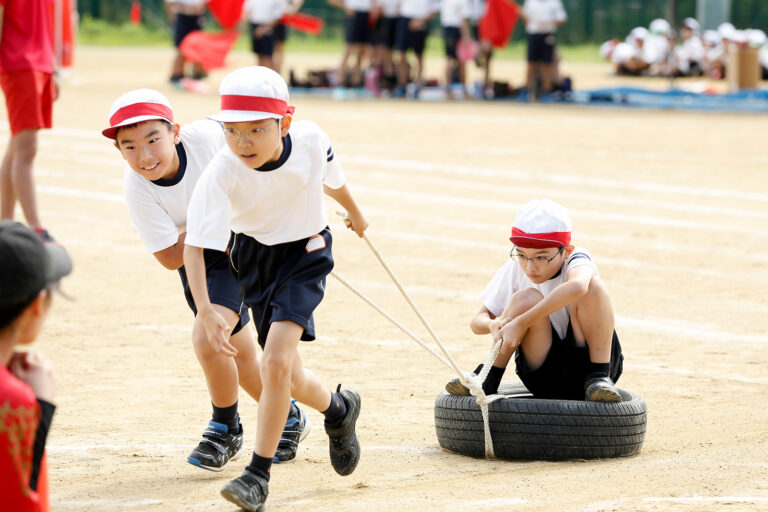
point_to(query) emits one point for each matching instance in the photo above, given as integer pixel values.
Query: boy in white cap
(165, 162)
(29, 272)
(552, 311)
(267, 186)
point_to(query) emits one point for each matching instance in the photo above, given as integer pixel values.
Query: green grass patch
(100, 33)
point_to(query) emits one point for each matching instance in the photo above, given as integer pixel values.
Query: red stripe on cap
(255, 104)
(539, 240)
(141, 109)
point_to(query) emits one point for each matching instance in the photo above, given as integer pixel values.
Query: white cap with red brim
(541, 224)
(252, 93)
(135, 107)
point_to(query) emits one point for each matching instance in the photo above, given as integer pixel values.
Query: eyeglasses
(537, 260)
(250, 134)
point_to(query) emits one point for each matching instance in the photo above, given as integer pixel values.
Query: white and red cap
(540, 224)
(137, 106)
(252, 93)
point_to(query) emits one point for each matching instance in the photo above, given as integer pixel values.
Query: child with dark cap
(29, 271)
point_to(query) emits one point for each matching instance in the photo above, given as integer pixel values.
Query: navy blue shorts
(281, 33)
(564, 371)
(184, 25)
(407, 39)
(541, 47)
(222, 286)
(386, 29)
(356, 29)
(451, 36)
(283, 282)
(265, 45)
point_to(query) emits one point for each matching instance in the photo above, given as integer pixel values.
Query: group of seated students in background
(660, 51)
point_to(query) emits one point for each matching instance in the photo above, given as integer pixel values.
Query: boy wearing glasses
(165, 162)
(552, 311)
(266, 185)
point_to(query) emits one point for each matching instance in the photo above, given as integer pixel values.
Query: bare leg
(24, 149)
(7, 194)
(247, 361)
(593, 321)
(546, 77)
(402, 72)
(221, 372)
(177, 69)
(276, 368)
(538, 340)
(307, 388)
(530, 75)
(266, 61)
(277, 57)
(419, 70)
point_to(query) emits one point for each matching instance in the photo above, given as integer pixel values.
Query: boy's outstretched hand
(512, 333)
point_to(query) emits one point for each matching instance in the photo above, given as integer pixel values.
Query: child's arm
(575, 287)
(216, 328)
(172, 257)
(341, 195)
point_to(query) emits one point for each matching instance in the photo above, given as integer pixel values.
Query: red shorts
(29, 99)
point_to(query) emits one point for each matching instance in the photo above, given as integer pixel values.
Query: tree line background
(590, 21)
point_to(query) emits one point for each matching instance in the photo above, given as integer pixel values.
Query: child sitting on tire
(552, 311)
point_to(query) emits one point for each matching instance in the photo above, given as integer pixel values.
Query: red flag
(226, 12)
(499, 22)
(304, 23)
(136, 13)
(210, 50)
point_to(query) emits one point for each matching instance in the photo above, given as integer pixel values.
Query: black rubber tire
(523, 427)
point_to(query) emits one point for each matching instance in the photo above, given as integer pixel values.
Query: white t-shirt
(262, 12)
(188, 3)
(358, 5)
(159, 208)
(389, 8)
(454, 12)
(543, 15)
(417, 9)
(510, 278)
(281, 205)
(477, 9)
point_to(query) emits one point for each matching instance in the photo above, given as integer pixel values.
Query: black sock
(260, 466)
(492, 381)
(478, 369)
(227, 416)
(335, 412)
(597, 370)
(293, 410)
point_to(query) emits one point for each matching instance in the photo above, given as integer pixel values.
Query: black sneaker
(344, 446)
(295, 430)
(217, 447)
(248, 491)
(456, 388)
(601, 389)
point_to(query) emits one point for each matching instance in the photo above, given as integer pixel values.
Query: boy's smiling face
(541, 265)
(149, 148)
(256, 143)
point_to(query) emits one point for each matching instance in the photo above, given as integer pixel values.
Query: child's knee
(275, 366)
(522, 301)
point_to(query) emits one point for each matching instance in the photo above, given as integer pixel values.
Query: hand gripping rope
(473, 382)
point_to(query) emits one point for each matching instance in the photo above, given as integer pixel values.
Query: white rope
(473, 382)
(389, 317)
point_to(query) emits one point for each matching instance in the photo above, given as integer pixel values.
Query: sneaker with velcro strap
(343, 443)
(249, 491)
(217, 447)
(296, 429)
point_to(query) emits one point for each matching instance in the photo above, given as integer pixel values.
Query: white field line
(496, 173)
(510, 208)
(461, 170)
(625, 201)
(602, 154)
(103, 504)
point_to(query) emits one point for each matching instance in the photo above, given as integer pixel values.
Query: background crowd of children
(660, 50)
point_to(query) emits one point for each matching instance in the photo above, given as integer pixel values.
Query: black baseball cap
(27, 264)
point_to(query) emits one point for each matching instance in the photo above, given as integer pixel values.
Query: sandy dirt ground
(672, 205)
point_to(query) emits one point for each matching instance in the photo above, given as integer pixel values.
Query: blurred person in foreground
(28, 79)
(30, 270)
